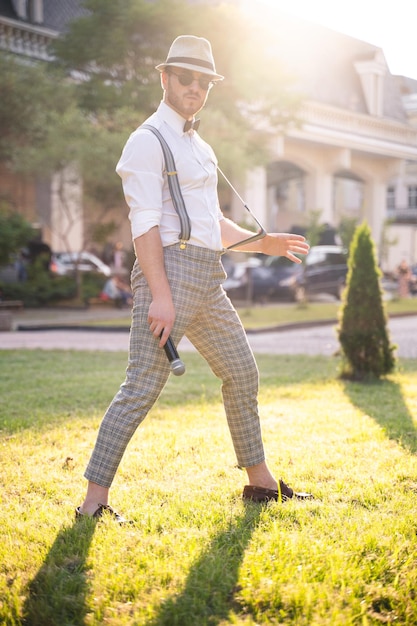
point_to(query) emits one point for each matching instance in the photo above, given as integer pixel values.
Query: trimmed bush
(43, 289)
(15, 232)
(363, 333)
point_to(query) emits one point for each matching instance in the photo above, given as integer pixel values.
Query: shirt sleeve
(141, 168)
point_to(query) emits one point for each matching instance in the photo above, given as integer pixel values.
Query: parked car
(64, 263)
(263, 281)
(324, 271)
(238, 283)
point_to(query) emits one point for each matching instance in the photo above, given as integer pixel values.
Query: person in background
(117, 289)
(404, 277)
(119, 257)
(177, 285)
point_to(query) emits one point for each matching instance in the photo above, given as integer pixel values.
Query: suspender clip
(183, 244)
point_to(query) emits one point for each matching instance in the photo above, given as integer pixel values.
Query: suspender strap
(174, 186)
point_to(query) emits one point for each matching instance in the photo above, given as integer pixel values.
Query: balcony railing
(403, 215)
(26, 39)
(368, 126)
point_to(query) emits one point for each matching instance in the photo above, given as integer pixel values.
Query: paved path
(313, 340)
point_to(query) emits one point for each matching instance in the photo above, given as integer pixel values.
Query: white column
(319, 192)
(375, 208)
(67, 214)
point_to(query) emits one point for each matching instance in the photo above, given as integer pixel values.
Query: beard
(187, 105)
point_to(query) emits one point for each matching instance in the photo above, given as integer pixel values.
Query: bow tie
(191, 125)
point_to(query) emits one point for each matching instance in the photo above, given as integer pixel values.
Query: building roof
(323, 62)
(57, 13)
(6, 9)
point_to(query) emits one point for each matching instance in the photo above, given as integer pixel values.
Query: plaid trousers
(206, 316)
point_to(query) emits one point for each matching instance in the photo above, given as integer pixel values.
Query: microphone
(177, 366)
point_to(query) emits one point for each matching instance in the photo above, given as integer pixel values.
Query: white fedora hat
(191, 53)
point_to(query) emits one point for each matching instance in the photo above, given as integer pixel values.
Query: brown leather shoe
(103, 509)
(283, 493)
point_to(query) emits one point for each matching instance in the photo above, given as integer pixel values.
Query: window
(412, 197)
(391, 198)
(316, 257)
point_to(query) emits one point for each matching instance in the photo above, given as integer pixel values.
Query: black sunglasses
(187, 79)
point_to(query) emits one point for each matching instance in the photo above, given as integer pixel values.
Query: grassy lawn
(274, 315)
(196, 555)
(259, 316)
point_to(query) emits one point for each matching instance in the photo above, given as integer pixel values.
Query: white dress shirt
(142, 170)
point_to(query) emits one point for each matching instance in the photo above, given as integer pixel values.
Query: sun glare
(388, 25)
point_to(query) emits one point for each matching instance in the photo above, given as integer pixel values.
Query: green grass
(196, 554)
(260, 316)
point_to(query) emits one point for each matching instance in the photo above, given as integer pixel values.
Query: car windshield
(322, 256)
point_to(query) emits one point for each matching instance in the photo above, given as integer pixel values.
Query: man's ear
(164, 80)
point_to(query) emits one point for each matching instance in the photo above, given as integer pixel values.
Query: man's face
(186, 99)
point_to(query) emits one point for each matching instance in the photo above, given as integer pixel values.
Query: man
(177, 285)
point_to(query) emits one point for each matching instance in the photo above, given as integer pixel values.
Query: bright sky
(387, 24)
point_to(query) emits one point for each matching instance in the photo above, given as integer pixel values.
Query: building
(55, 204)
(351, 154)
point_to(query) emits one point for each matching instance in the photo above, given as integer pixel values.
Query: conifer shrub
(363, 333)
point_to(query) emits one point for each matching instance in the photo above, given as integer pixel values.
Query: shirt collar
(171, 117)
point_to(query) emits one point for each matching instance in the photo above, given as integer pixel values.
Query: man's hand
(284, 244)
(161, 317)
(273, 244)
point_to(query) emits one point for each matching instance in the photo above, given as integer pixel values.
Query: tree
(347, 229)
(28, 99)
(117, 45)
(47, 133)
(315, 228)
(363, 334)
(15, 232)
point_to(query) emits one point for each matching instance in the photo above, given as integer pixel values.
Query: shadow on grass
(208, 593)
(57, 594)
(384, 402)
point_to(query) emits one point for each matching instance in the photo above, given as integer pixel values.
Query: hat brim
(189, 66)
